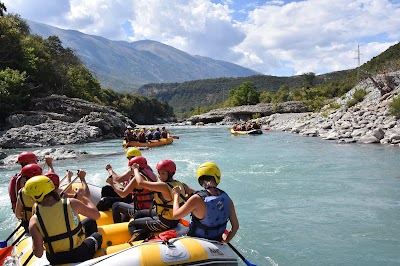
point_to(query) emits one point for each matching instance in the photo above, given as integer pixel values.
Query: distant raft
(148, 144)
(250, 132)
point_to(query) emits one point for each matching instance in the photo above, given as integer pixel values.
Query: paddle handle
(69, 185)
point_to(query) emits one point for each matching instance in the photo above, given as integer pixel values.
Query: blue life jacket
(213, 225)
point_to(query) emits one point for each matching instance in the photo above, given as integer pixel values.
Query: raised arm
(126, 190)
(82, 205)
(153, 186)
(193, 205)
(118, 178)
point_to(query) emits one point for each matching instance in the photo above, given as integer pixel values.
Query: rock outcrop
(245, 112)
(59, 120)
(59, 153)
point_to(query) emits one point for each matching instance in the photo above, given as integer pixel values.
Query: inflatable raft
(117, 249)
(149, 144)
(250, 132)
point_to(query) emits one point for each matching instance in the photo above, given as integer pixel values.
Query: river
(299, 200)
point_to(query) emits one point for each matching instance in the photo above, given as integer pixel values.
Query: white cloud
(273, 37)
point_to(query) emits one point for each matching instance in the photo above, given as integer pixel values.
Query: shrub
(394, 107)
(358, 96)
(335, 105)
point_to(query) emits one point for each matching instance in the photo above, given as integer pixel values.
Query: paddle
(175, 137)
(16, 229)
(248, 263)
(5, 252)
(68, 186)
(229, 128)
(62, 179)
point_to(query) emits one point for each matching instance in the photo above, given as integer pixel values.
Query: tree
(3, 9)
(245, 94)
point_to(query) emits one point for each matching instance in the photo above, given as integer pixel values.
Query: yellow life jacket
(59, 226)
(164, 208)
(27, 203)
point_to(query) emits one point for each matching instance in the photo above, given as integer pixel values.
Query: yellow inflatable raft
(149, 144)
(117, 250)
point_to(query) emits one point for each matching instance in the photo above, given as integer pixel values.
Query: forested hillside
(33, 67)
(198, 96)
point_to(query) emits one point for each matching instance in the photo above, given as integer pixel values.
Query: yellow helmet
(133, 152)
(209, 169)
(38, 186)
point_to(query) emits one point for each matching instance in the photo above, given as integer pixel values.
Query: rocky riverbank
(366, 122)
(59, 120)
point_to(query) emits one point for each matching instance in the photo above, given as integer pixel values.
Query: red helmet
(166, 165)
(31, 170)
(140, 160)
(27, 158)
(54, 178)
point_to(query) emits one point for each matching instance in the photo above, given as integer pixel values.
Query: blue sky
(275, 37)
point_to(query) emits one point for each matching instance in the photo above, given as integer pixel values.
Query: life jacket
(164, 208)
(213, 225)
(141, 137)
(143, 197)
(157, 135)
(149, 135)
(59, 226)
(164, 134)
(27, 203)
(13, 187)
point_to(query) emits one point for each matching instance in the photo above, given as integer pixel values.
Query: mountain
(124, 66)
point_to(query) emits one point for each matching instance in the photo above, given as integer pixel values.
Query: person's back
(17, 181)
(149, 134)
(56, 224)
(164, 133)
(157, 134)
(210, 209)
(142, 136)
(23, 208)
(218, 210)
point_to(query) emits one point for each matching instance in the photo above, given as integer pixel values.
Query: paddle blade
(175, 137)
(4, 253)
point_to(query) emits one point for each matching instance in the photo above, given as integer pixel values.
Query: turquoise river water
(299, 200)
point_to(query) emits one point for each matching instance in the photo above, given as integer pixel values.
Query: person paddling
(56, 224)
(144, 222)
(142, 197)
(23, 208)
(210, 208)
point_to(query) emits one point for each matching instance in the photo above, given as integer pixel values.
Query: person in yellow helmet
(56, 225)
(210, 208)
